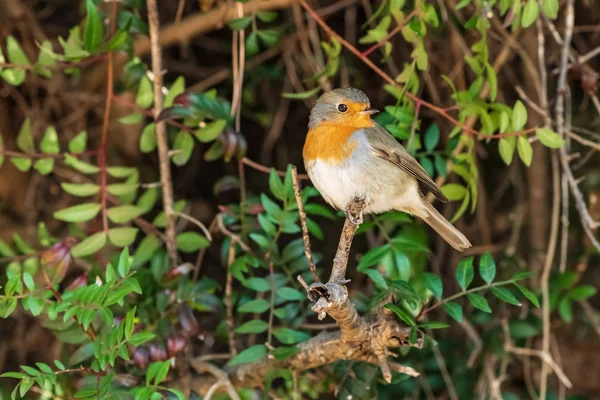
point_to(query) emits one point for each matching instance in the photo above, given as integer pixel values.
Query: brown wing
(385, 146)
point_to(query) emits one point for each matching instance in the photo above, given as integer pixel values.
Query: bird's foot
(354, 211)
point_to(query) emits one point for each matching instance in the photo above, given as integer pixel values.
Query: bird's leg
(354, 210)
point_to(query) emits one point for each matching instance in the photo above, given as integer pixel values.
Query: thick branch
(161, 132)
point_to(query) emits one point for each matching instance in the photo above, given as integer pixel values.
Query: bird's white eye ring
(342, 107)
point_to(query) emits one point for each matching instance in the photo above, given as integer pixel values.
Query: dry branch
(366, 338)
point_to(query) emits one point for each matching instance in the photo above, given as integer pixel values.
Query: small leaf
(404, 315)
(528, 294)
(257, 306)
(93, 32)
(78, 213)
(492, 81)
(525, 150)
(140, 338)
(176, 89)
(254, 326)
(290, 336)
(288, 293)
(550, 8)
(519, 114)
(433, 325)
(80, 189)
(253, 353)
(183, 146)
(487, 267)
(189, 242)
(122, 214)
(506, 148)
(505, 295)
(80, 166)
(454, 191)
(49, 143)
(283, 353)
(239, 23)
(122, 237)
(89, 245)
(15, 53)
(432, 137)
(301, 95)
(454, 310)
(530, 13)
(25, 138)
(549, 138)
(376, 277)
(582, 292)
(565, 309)
(211, 131)
(479, 302)
(145, 95)
(465, 273)
(434, 284)
(257, 284)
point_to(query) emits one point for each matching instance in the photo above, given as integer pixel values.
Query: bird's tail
(445, 229)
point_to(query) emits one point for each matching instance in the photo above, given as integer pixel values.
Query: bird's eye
(343, 108)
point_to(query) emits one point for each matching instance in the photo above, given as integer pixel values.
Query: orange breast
(329, 142)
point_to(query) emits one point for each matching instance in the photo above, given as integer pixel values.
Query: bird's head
(346, 107)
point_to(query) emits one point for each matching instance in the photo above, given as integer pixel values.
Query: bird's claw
(352, 215)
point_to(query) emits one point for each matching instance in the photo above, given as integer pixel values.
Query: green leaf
(519, 115)
(525, 150)
(268, 37)
(189, 242)
(15, 53)
(239, 23)
(25, 138)
(122, 189)
(145, 250)
(80, 189)
(522, 275)
(257, 306)
(122, 214)
(505, 295)
(49, 143)
(492, 81)
(565, 309)
(93, 32)
(434, 284)
(479, 302)
(465, 273)
(252, 47)
(140, 338)
(276, 186)
(266, 16)
(290, 336)
(550, 8)
(487, 267)
(254, 326)
(580, 293)
(433, 325)
(372, 257)
(301, 95)
(44, 166)
(530, 13)
(22, 164)
(528, 294)
(183, 146)
(549, 138)
(288, 293)
(134, 118)
(13, 76)
(210, 131)
(80, 166)
(283, 353)
(404, 315)
(257, 284)
(454, 191)
(78, 213)
(59, 365)
(176, 89)
(90, 245)
(145, 94)
(148, 140)
(432, 137)
(506, 148)
(251, 354)
(122, 237)
(376, 277)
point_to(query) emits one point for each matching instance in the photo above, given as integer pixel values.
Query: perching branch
(366, 338)
(161, 132)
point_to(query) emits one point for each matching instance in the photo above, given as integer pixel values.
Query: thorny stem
(438, 110)
(161, 132)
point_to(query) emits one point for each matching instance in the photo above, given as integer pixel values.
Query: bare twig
(161, 131)
(305, 236)
(340, 262)
(267, 170)
(547, 360)
(195, 222)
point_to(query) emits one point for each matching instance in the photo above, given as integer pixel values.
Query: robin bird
(348, 155)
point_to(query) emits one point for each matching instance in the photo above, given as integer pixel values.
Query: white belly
(383, 185)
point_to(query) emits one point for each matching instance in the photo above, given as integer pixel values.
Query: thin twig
(161, 132)
(391, 34)
(195, 222)
(229, 300)
(305, 236)
(546, 360)
(267, 170)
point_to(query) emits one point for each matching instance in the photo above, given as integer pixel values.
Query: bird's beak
(369, 111)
